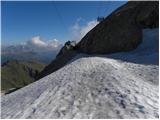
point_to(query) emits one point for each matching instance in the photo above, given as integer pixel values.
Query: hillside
(108, 86)
(17, 74)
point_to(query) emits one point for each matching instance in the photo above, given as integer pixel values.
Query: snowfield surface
(94, 87)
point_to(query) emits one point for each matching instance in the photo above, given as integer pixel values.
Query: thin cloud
(36, 44)
(78, 31)
(36, 41)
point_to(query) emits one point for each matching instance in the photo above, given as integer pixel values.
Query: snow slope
(93, 87)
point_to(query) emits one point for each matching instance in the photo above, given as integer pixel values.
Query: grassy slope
(15, 74)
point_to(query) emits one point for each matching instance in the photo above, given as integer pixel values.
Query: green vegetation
(17, 74)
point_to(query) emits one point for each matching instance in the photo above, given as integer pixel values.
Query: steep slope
(125, 23)
(121, 31)
(17, 74)
(94, 87)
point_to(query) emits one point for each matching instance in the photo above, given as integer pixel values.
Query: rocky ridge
(121, 31)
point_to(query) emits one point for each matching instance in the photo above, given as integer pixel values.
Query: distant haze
(34, 49)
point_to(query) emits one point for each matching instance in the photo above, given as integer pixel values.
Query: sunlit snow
(122, 85)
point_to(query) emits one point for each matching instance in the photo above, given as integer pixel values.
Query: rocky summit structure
(121, 31)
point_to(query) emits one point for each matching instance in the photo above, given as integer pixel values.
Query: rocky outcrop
(66, 54)
(122, 30)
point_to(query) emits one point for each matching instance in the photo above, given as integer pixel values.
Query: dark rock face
(148, 16)
(122, 30)
(31, 72)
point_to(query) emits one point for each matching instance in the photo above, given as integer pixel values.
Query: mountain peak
(121, 31)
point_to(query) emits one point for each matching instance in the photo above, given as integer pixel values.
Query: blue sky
(23, 20)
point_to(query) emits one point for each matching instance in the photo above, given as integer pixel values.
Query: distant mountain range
(35, 50)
